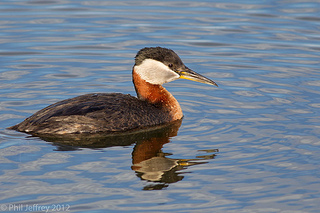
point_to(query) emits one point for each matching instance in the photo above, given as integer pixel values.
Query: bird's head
(158, 65)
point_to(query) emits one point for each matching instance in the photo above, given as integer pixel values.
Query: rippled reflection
(148, 160)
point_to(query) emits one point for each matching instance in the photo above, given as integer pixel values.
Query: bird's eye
(170, 65)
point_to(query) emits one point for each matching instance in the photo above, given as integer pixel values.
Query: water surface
(251, 145)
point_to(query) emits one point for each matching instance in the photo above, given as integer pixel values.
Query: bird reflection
(148, 160)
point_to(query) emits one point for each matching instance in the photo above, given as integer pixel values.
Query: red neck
(157, 95)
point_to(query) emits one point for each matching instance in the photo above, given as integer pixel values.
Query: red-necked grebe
(115, 112)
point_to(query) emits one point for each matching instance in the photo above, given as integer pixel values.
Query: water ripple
(263, 119)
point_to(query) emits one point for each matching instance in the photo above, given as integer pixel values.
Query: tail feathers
(15, 127)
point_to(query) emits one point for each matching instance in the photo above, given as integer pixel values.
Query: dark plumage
(163, 55)
(101, 112)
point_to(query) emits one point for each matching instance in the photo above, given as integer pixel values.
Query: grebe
(115, 112)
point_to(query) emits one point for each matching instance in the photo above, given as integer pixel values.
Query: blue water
(251, 145)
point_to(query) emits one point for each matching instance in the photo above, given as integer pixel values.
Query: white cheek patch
(155, 72)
